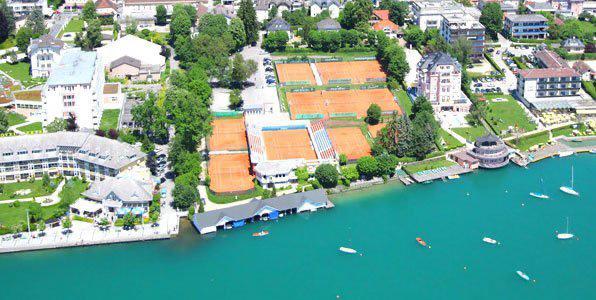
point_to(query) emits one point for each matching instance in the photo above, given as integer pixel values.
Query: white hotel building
(75, 86)
(66, 153)
(439, 80)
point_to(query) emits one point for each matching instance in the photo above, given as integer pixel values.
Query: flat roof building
(525, 26)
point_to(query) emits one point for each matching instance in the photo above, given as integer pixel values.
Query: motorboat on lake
(347, 250)
(523, 275)
(489, 240)
(260, 233)
(421, 242)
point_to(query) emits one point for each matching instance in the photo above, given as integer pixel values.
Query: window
(7, 154)
(21, 152)
(36, 151)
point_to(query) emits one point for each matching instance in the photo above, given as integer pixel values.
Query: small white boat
(565, 235)
(565, 153)
(347, 250)
(489, 240)
(593, 151)
(569, 189)
(455, 176)
(539, 195)
(523, 275)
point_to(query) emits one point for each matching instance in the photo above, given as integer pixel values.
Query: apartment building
(148, 8)
(439, 80)
(548, 83)
(66, 153)
(464, 26)
(75, 86)
(24, 7)
(430, 13)
(44, 53)
(525, 26)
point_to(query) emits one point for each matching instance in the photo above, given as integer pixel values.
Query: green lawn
(15, 119)
(526, 142)
(11, 215)
(470, 133)
(223, 199)
(36, 187)
(20, 72)
(502, 115)
(8, 43)
(109, 119)
(404, 101)
(428, 165)
(75, 25)
(589, 88)
(450, 141)
(33, 127)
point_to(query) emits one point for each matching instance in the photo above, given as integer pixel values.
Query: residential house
(134, 58)
(21, 8)
(389, 28)
(106, 8)
(279, 24)
(28, 103)
(379, 15)
(573, 45)
(328, 25)
(584, 70)
(537, 7)
(439, 80)
(147, 8)
(526, 26)
(74, 4)
(262, 7)
(464, 26)
(121, 195)
(44, 53)
(318, 6)
(65, 153)
(75, 86)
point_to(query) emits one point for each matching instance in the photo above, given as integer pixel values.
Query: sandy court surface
(288, 144)
(230, 173)
(349, 141)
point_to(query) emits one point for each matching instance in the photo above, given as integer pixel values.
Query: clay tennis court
(288, 144)
(340, 102)
(228, 134)
(357, 71)
(349, 141)
(230, 173)
(300, 72)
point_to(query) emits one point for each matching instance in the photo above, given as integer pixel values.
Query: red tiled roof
(551, 59)
(581, 67)
(384, 24)
(382, 14)
(105, 4)
(547, 73)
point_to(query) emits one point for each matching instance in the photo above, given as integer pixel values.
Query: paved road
(60, 21)
(413, 58)
(259, 93)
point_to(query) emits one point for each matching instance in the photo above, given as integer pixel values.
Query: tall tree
(248, 15)
(7, 21)
(89, 11)
(3, 121)
(462, 48)
(35, 22)
(414, 35)
(398, 10)
(241, 70)
(356, 14)
(180, 24)
(161, 15)
(238, 33)
(492, 19)
(23, 38)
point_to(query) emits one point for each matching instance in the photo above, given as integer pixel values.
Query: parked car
(67, 231)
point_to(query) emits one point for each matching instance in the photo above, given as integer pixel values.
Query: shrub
(343, 159)
(373, 114)
(368, 167)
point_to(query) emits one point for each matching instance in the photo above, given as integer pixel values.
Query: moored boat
(489, 240)
(565, 235)
(569, 189)
(455, 176)
(539, 195)
(523, 275)
(421, 242)
(347, 250)
(261, 233)
(565, 153)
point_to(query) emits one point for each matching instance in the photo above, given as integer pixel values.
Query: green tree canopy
(89, 11)
(356, 14)
(368, 167)
(36, 23)
(398, 10)
(276, 41)
(327, 175)
(7, 21)
(238, 33)
(492, 19)
(161, 15)
(3, 121)
(248, 15)
(373, 114)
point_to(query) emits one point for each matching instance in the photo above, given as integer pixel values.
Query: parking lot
(487, 85)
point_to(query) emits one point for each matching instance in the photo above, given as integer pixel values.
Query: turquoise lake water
(300, 258)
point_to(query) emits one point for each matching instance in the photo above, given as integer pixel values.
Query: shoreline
(364, 186)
